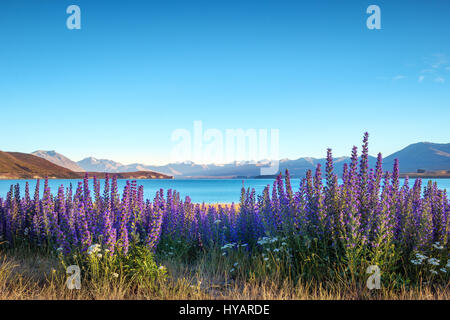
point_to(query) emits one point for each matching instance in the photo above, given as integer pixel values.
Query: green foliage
(138, 267)
(177, 250)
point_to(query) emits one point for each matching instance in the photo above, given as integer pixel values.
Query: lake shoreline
(211, 191)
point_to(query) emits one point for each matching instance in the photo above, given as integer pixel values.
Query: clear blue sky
(137, 70)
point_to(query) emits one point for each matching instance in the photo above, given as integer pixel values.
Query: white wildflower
(228, 246)
(95, 248)
(421, 256)
(443, 270)
(115, 275)
(437, 246)
(236, 264)
(433, 272)
(416, 262)
(261, 242)
(433, 261)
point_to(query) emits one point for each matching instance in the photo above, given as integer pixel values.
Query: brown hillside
(129, 175)
(16, 165)
(439, 174)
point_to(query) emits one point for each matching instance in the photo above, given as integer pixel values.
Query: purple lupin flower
(395, 178)
(114, 195)
(154, 224)
(61, 221)
(123, 222)
(47, 212)
(27, 192)
(363, 189)
(85, 234)
(320, 218)
(109, 233)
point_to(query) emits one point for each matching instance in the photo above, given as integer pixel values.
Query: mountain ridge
(424, 156)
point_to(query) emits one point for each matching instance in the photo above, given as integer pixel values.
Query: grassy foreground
(30, 274)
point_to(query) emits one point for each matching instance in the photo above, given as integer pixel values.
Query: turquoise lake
(208, 191)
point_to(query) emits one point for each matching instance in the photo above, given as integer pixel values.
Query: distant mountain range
(423, 156)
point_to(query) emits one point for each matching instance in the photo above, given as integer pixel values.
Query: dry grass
(30, 276)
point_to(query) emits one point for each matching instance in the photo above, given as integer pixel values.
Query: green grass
(212, 273)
